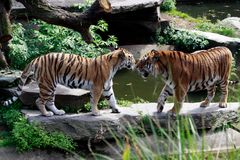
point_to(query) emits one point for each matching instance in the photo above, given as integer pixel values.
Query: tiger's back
(201, 70)
(68, 69)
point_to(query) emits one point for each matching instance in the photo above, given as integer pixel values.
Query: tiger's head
(146, 64)
(125, 58)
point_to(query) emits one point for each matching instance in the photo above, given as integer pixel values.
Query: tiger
(74, 71)
(182, 73)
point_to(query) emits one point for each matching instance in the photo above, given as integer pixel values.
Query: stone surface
(8, 78)
(132, 5)
(117, 5)
(219, 40)
(84, 126)
(10, 153)
(64, 97)
(232, 22)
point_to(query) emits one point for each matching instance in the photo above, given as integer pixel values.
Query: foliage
(81, 7)
(180, 141)
(5, 139)
(103, 104)
(183, 40)
(28, 136)
(38, 38)
(168, 5)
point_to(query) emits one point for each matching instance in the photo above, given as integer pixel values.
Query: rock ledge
(84, 126)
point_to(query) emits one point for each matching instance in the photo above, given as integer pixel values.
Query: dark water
(128, 85)
(212, 10)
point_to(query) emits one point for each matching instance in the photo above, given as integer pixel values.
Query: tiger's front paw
(60, 112)
(159, 108)
(204, 104)
(223, 105)
(115, 110)
(48, 114)
(96, 113)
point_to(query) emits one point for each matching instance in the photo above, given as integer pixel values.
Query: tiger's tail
(23, 79)
(233, 82)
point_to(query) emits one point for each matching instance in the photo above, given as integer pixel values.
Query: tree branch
(80, 22)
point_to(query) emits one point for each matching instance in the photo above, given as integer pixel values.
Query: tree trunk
(5, 30)
(80, 22)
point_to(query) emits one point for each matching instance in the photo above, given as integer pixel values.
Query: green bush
(40, 38)
(183, 40)
(28, 136)
(168, 5)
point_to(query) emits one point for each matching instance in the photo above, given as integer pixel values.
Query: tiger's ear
(121, 54)
(154, 51)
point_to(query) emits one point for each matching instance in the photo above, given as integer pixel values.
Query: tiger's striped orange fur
(73, 71)
(183, 73)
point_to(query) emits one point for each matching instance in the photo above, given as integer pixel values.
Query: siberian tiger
(183, 73)
(73, 71)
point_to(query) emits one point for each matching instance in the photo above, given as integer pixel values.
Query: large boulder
(8, 82)
(219, 40)
(72, 99)
(232, 22)
(84, 126)
(9, 78)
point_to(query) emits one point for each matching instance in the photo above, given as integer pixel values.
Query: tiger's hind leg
(41, 106)
(210, 95)
(224, 90)
(45, 93)
(165, 93)
(110, 97)
(51, 106)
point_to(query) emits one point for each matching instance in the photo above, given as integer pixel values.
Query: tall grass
(180, 141)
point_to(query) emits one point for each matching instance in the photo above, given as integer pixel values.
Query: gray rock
(64, 97)
(117, 5)
(219, 40)
(9, 78)
(10, 153)
(84, 126)
(132, 5)
(232, 22)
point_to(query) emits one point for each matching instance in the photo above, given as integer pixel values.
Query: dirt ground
(178, 22)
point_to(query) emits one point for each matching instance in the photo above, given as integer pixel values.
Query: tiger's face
(127, 59)
(145, 65)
